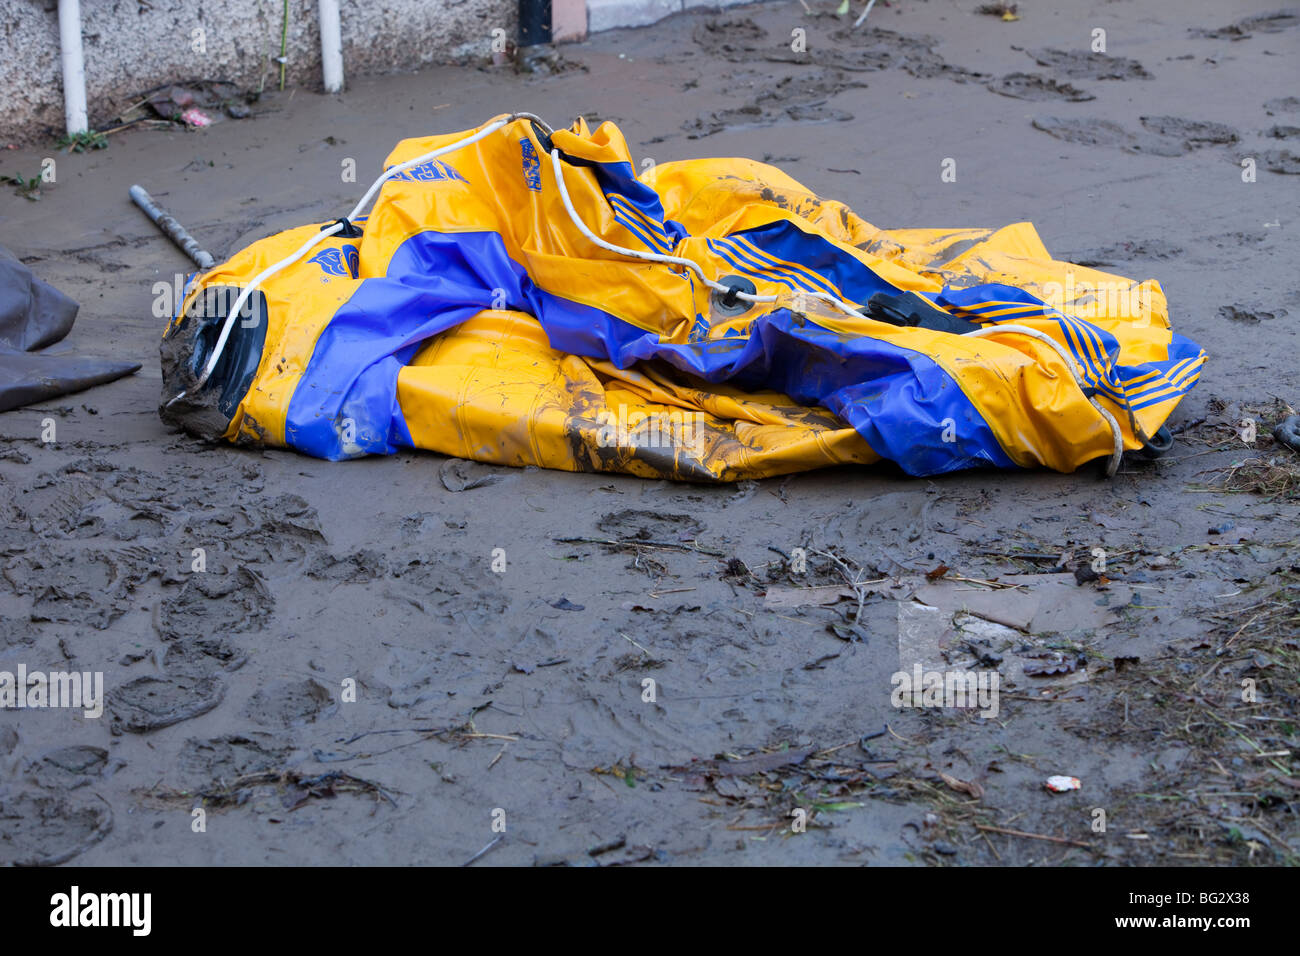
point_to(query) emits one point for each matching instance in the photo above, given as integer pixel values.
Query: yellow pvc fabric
(473, 317)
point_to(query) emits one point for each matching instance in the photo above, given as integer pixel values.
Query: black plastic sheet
(33, 316)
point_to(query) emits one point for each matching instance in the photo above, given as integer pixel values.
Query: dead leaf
(969, 787)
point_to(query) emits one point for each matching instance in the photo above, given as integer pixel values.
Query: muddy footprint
(1087, 131)
(729, 38)
(1120, 252)
(83, 588)
(359, 567)
(1035, 86)
(649, 526)
(67, 768)
(1162, 136)
(1280, 161)
(877, 49)
(151, 703)
(1274, 22)
(800, 99)
(1251, 316)
(1191, 133)
(231, 756)
(449, 584)
(202, 656)
(289, 703)
(1090, 66)
(49, 830)
(211, 603)
(1283, 104)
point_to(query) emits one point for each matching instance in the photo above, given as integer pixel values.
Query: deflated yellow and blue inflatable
(526, 298)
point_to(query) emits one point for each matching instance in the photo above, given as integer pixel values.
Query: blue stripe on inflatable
(805, 277)
(838, 270)
(656, 229)
(635, 228)
(730, 256)
(901, 401)
(621, 178)
(975, 296)
(434, 282)
(1180, 350)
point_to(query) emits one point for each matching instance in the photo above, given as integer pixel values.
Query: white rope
(678, 260)
(315, 240)
(248, 290)
(1117, 436)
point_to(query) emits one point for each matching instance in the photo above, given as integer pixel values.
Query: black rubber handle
(914, 311)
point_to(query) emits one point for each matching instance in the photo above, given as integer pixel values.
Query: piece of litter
(1054, 665)
(1060, 784)
(196, 117)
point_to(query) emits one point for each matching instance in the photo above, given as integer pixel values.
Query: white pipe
(858, 21)
(331, 45)
(74, 66)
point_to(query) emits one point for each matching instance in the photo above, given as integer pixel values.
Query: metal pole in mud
(172, 229)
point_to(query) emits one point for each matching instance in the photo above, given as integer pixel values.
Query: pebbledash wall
(133, 45)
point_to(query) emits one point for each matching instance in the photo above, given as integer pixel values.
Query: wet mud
(328, 656)
(1272, 22)
(1158, 136)
(1035, 86)
(1089, 66)
(829, 58)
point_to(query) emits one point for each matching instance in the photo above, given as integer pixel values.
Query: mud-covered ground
(1166, 684)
